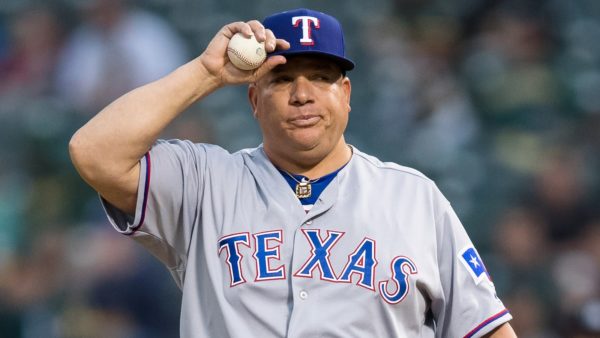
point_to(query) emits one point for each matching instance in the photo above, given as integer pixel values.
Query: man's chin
(305, 144)
(306, 138)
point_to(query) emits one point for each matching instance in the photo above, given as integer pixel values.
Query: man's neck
(313, 166)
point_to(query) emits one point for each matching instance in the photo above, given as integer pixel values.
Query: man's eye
(324, 78)
(282, 79)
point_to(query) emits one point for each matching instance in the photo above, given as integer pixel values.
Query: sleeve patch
(471, 260)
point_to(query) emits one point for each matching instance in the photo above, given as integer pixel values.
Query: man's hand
(217, 64)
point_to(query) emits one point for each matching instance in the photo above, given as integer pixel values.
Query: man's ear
(253, 97)
(347, 88)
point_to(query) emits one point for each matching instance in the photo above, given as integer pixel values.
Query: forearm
(112, 142)
(106, 151)
(503, 331)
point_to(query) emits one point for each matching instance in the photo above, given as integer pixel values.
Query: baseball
(246, 53)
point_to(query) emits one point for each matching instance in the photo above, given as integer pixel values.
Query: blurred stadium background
(497, 101)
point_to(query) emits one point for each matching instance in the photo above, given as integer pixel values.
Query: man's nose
(301, 91)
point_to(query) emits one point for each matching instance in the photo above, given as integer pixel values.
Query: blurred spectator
(521, 241)
(30, 116)
(578, 278)
(36, 37)
(117, 289)
(585, 322)
(530, 315)
(561, 196)
(507, 66)
(417, 100)
(3, 41)
(578, 272)
(116, 48)
(520, 270)
(32, 284)
(590, 239)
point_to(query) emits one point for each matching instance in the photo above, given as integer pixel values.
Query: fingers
(270, 41)
(237, 27)
(263, 35)
(254, 27)
(282, 44)
(258, 29)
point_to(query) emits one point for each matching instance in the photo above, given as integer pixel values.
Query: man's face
(302, 106)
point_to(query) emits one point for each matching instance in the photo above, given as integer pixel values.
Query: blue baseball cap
(309, 32)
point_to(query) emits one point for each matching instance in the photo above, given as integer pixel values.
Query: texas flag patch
(471, 260)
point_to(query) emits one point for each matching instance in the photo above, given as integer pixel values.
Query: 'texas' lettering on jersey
(361, 262)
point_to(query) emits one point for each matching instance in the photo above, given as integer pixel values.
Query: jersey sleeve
(470, 307)
(169, 191)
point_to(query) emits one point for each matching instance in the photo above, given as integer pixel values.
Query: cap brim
(345, 64)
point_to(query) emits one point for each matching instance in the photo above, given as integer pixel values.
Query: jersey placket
(308, 273)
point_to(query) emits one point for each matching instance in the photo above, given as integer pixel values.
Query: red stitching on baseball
(244, 59)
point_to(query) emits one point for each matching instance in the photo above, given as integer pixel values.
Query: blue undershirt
(317, 187)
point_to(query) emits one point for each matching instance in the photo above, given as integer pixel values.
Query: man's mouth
(304, 121)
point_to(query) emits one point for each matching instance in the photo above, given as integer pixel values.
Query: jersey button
(303, 294)
(308, 222)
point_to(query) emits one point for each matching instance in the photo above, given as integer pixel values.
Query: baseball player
(302, 236)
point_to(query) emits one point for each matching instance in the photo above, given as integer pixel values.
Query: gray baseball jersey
(380, 254)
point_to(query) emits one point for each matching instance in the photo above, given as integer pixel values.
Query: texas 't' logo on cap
(306, 22)
(309, 32)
